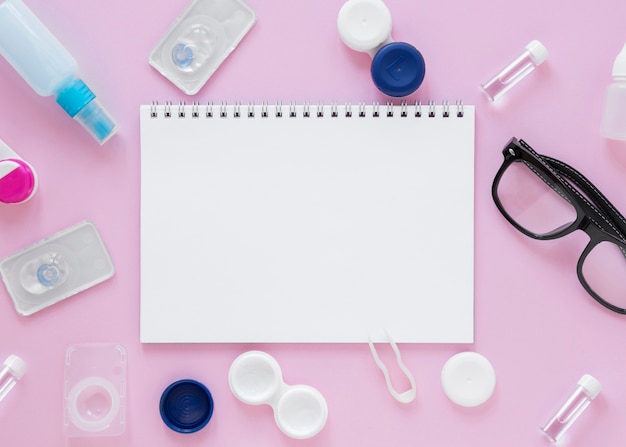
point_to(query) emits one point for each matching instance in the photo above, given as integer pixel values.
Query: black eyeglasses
(545, 198)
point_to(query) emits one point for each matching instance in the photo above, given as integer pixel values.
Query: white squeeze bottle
(614, 116)
(47, 66)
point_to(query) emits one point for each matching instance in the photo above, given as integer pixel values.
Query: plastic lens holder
(95, 390)
(199, 41)
(56, 268)
(300, 411)
(397, 68)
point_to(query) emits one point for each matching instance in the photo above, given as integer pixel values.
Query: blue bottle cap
(74, 97)
(186, 406)
(398, 69)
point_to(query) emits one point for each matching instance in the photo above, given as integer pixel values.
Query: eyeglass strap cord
(607, 210)
(601, 206)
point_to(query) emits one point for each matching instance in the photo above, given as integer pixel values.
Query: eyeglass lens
(540, 207)
(604, 271)
(530, 201)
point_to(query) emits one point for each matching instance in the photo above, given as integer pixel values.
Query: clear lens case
(199, 40)
(56, 268)
(95, 390)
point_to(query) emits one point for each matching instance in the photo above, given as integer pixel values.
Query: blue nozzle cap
(74, 97)
(398, 69)
(81, 104)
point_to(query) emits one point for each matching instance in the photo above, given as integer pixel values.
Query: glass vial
(12, 370)
(614, 114)
(534, 55)
(587, 389)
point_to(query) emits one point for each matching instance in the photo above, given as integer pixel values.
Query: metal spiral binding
(403, 109)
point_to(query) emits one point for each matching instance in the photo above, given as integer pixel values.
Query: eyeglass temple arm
(599, 200)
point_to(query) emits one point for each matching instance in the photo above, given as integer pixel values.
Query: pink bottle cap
(18, 182)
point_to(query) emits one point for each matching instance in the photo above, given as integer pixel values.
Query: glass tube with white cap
(12, 370)
(587, 389)
(535, 53)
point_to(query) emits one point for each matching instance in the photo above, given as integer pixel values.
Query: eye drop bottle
(587, 389)
(614, 115)
(48, 68)
(534, 55)
(12, 370)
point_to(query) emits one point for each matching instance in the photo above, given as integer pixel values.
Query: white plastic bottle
(48, 67)
(614, 116)
(12, 370)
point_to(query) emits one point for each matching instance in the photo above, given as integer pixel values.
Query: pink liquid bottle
(587, 389)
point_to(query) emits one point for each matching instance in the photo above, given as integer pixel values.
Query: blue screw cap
(398, 69)
(186, 406)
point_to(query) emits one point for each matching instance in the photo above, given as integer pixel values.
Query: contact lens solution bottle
(613, 124)
(49, 69)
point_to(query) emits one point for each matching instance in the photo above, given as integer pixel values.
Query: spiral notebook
(307, 223)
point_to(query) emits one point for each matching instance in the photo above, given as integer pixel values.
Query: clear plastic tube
(587, 389)
(534, 54)
(12, 370)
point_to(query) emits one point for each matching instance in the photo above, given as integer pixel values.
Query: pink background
(534, 321)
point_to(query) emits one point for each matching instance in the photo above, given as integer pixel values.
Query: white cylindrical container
(534, 55)
(586, 390)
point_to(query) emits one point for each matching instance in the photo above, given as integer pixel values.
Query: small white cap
(16, 365)
(619, 66)
(364, 25)
(538, 53)
(468, 379)
(591, 385)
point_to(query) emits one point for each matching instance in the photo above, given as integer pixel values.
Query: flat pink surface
(534, 322)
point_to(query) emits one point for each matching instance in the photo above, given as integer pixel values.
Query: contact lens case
(300, 411)
(56, 268)
(199, 40)
(95, 390)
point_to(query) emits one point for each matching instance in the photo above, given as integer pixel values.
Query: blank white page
(306, 229)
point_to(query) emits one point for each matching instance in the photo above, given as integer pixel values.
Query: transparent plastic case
(56, 268)
(199, 40)
(95, 390)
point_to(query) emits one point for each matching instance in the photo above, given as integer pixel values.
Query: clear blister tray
(56, 268)
(95, 390)
(199, 40)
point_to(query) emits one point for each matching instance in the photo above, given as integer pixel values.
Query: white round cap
(468, 379)
(538, 52)
(364, 25)
(591, 385)
(16, 365)
(301, 412)
(255, 378)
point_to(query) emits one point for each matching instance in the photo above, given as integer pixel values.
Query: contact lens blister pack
(199, 40)
(95, 390)
(56, 268)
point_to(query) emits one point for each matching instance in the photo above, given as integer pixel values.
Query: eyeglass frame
(588, 215)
